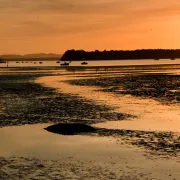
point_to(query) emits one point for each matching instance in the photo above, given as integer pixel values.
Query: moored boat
(84, 63)
(64, 64)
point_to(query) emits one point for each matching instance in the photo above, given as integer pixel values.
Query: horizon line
(14, 54)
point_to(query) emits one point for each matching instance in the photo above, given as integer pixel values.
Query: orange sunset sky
(53, 26)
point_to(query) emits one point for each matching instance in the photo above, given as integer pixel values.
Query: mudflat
(116, 124)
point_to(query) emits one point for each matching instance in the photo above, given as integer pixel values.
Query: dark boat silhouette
(1, 61)
(64, 64)
(58, 62)
(40, 62)
(156, 58)
(84, 63)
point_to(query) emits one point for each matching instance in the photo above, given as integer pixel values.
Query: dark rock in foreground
(70, 128)
(157, 142)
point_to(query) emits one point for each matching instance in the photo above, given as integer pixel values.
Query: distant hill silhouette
(1, 61)
(121, 54)
(30, 56)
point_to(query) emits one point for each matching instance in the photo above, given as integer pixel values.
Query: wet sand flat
(30, 152)
(158, 116)
(148, 114)
(136, 137)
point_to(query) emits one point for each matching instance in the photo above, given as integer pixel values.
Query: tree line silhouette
(2, 61)
(71, 55)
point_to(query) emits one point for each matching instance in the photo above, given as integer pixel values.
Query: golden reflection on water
(150, 114)
(33, 140)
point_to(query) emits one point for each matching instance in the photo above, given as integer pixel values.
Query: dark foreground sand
(112, 152)
(36, 169)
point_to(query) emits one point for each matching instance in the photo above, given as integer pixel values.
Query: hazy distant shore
(30, 59)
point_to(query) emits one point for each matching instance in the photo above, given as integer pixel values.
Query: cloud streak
(88, 7)
(32, 18)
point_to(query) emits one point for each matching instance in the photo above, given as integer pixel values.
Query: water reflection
(149, 114)
(33, 140)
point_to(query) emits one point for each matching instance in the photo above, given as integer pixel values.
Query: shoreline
(145, 67)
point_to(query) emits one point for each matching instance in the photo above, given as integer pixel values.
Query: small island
(79, 55)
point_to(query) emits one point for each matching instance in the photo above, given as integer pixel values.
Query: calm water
(149, 114)
(90, 63)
